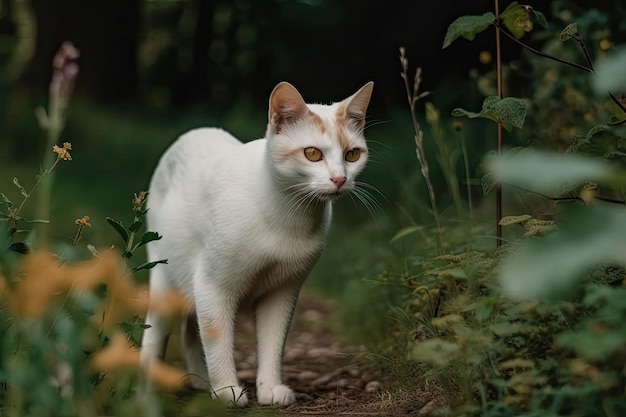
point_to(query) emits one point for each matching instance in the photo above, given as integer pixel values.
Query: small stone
(291, 354)
(307, 375)
(322, 380)
(313, 315)
(341, 383)
(372, 386)
(321, 351)
(246, 375)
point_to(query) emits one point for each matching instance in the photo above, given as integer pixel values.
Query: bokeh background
(152, 69)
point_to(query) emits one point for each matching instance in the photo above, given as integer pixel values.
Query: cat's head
(317, 150)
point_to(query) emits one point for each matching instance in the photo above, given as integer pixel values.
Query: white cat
(242, 226)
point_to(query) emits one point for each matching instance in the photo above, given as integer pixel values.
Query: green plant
(535, 327)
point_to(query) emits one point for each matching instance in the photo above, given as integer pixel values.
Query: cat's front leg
(216, 321)
(273, 316)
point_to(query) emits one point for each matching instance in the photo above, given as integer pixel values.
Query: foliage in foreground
(534, 328)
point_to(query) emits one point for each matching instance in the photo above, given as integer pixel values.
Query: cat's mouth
(332, 196)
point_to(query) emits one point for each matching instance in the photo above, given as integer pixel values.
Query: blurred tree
(7, 23)
(193, 83)
(107, 36)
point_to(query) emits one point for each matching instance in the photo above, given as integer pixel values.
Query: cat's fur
(242, 226)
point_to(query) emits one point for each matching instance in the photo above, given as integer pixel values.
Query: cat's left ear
(356, 107)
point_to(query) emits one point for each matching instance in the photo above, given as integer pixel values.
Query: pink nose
(338, 181)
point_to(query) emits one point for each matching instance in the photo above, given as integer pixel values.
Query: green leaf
(146, 238)
(6, 200)
(135, 226)
(553, 266)
(610, 74)
(119, 228)
(19, 186)
(467, 27)
(149, 265)
(540, 18)
(488, 183)
(43, 221)
(406, 232)
(570, 31)
(517, 20)
(509, 111)
(545, 173)
(149, 237)
(19, 247)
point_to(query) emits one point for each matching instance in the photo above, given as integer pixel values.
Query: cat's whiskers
(370, 202)
(299, 197)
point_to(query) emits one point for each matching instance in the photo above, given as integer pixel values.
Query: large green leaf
(570, 31)
(546, 173)
(149, 265)
(554, 265)
(509, 111)
(146, 238)
(119, 228)
(517, 20)
(610, 73)
(467, 27)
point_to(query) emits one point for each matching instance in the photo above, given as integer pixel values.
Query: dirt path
(329, 377)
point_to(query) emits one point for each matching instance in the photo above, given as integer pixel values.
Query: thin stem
(537, 52)
(467, 174)
(44, 174)
(582, 45)
(413, 97)
(499, 86)
(573, 198)
(56, 109)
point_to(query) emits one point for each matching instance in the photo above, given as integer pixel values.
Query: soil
(330, 377)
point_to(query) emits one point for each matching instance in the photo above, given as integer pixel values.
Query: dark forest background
(152, 69)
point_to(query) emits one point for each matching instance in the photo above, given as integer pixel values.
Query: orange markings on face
(342, 125)
(211, 332)
(318, 122)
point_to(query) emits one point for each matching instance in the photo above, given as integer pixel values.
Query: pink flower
(64, 71)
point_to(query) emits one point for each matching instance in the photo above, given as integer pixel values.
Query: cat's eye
(353, 155)
(313, 154)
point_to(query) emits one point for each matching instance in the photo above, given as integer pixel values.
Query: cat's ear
(286, 106)
(356, 107)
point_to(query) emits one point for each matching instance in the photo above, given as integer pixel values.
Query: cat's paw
(232, 395)
(278, 394)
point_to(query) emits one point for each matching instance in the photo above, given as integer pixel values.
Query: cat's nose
(338, 181)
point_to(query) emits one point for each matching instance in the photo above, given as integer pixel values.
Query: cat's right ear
(286, 106)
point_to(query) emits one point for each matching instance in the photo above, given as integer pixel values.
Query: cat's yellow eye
(353, 155)
(313, 154)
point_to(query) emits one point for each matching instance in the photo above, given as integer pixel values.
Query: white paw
(278, 394)
(234, 395)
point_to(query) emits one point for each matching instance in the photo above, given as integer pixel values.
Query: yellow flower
(63, 153)
(84, 222)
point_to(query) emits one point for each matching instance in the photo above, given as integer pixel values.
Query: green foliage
(494, 356)
(517, 19)
(548, 173)
(509, 111)
(570, 31)
(609, 73)
(129, 234)
(467, 27)
(536, 326)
